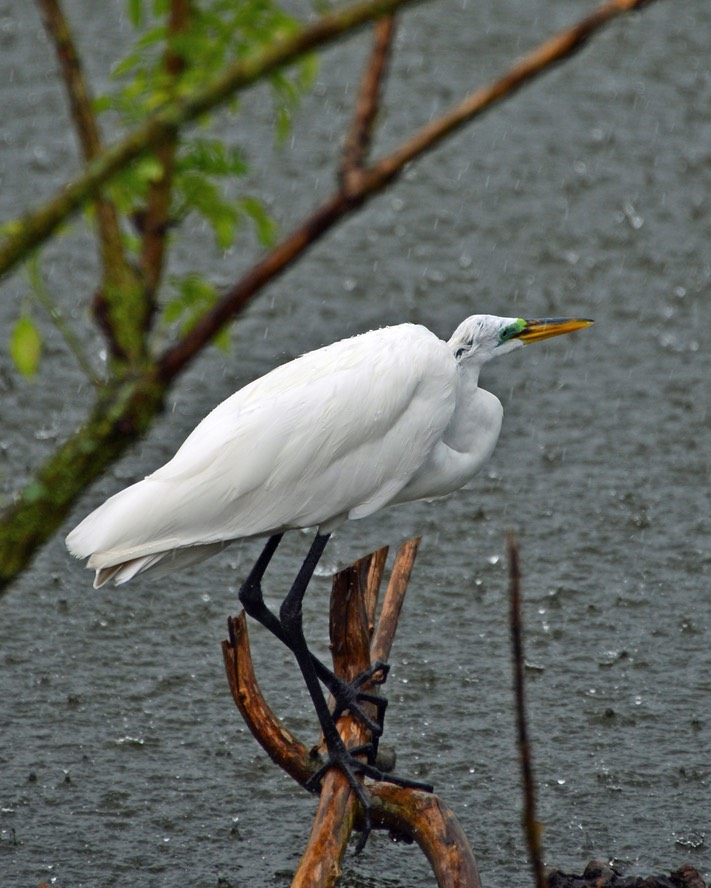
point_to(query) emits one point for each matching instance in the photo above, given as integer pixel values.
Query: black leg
(250, 593)
(347, 696)
(292, 624)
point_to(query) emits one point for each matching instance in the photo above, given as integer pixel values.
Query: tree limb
(546, 56)
(357, 144)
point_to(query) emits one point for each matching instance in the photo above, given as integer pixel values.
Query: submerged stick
(531, 825)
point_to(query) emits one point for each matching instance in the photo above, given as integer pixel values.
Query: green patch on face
(511, 331)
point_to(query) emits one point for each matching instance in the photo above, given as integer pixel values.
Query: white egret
(387, 417)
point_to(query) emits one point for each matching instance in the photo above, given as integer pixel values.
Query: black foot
(345, 759)
(349, 698)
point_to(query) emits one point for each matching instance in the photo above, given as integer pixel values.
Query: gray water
(123, 761)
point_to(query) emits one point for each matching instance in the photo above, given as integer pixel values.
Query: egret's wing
(335, 433)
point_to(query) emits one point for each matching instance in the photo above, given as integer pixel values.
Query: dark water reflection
(122, 761)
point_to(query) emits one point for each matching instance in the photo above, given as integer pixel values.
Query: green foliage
(166, 63)
(26, 346)
(219, 33)
(194, 296)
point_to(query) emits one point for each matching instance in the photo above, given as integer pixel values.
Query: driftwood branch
(414, 815)
(284, 748)
(356, 638)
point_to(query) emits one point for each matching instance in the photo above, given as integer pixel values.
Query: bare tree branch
(357, 144)
(157, 215)
(113, 258)
(549, 54)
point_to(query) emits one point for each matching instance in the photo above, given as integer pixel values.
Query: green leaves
(200, 167)
(26, 346)
(194, 296)
(169, 61)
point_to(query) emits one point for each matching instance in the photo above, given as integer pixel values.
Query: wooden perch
(356, 641)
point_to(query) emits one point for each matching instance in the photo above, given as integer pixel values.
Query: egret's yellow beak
(545, 327)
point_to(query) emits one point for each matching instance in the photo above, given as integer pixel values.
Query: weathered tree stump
(356, 641)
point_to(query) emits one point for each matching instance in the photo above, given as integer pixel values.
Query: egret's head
(482, 337)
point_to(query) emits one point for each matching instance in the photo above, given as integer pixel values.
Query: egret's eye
(511, 330)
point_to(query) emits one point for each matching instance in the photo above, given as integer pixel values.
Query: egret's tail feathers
(122, 573)
(158, 564)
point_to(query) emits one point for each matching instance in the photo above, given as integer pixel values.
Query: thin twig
(85, 123)
(156, 220)
(357, 143)
(531, 826)
(65, 329)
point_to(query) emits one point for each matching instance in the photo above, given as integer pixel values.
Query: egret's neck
(459, 431)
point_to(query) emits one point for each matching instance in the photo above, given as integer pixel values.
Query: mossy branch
(120, 415)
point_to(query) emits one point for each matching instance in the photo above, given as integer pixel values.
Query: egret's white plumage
(387, 417)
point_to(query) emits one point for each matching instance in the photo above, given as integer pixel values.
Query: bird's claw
(345, 760)
(349, 698)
